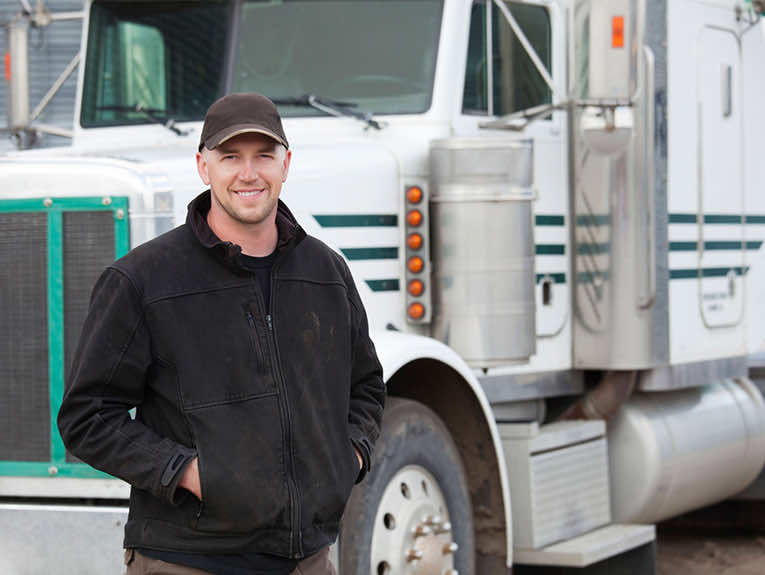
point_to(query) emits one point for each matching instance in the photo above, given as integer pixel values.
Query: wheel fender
(397, 349)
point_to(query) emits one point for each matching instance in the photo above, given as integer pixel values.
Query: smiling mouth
(248, 194)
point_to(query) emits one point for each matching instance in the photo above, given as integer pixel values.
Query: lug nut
(414, 555)
(450, 548)
(444, 528)
(422, 530)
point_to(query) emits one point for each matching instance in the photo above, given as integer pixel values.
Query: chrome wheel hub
(412, 533)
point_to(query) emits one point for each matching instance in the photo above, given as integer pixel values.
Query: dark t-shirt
(236, 563)
(261, 267)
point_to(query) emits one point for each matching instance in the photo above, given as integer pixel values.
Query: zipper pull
(250, 319)
(270, 322)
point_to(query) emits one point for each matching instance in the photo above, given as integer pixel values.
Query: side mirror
(605, 38)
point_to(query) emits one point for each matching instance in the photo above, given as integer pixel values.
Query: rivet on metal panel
(47, 202)
(120, 214)
(53, 470)
(106, 201)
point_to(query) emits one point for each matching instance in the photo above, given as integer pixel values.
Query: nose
(248, 171)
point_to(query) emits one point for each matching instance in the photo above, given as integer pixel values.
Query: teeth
(248, 194)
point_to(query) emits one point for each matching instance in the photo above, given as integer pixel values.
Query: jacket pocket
(242, 471)
(256, 344)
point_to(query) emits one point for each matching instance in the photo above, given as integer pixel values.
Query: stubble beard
(254, 216)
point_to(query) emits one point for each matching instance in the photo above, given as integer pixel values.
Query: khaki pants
(137, 564)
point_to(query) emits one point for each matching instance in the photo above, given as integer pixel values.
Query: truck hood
(355, 177)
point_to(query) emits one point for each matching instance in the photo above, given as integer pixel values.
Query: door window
(516, 84)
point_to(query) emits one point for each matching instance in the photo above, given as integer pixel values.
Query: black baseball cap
(237, 114)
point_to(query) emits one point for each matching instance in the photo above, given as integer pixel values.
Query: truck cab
(522, 222)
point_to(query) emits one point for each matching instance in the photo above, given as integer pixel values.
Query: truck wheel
(412, 513)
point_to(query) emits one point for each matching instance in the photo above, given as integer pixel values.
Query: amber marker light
(414, 218)
(415, 264)
(416, 288)
(416, 310)
(617, 32)
(414, 195)
(414, 241)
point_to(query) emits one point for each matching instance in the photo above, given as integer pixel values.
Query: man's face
(245, 175)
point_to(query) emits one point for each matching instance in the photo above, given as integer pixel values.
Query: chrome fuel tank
(675, 451)
(483, 248)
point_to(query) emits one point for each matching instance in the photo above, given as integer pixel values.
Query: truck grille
(52, 251)
(88, 247)
(25, 398)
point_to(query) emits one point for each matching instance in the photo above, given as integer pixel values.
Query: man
(244, 345)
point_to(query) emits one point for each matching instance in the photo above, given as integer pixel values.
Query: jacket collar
(289, 231)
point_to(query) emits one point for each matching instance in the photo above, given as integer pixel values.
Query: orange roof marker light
(414, 218)
(617, 32)
(414, 194)
(416, 288)
(414, 241)
(415, 264)
(416, 310)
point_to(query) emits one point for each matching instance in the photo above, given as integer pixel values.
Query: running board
(584, 550)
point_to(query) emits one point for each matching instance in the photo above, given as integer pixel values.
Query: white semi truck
(554, 211)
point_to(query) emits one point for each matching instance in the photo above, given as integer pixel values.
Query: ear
(286, 164)
(202, 168)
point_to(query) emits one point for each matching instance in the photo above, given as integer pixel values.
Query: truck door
(722, 240)
(512, 83)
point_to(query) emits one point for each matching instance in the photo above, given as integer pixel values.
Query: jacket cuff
(364, 448)
(172, 474)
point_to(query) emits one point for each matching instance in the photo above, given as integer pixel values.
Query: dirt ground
(710, 552)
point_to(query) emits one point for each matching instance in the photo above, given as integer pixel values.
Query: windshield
(377, 54)
(164, 58)
(169, 58)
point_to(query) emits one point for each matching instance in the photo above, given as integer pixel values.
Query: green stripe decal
(357, 220)
(370, 253)
(589, 277)
(383, 285)
(543, 220)
(717, 219)
(593, 220)
(557, 278)
(550, 249)
(722, 219)
(683, 246)
(706, 272)
(714, 245)
(593, 249)
(682, 218)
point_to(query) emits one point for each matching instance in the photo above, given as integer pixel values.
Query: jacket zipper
(296, 535)
(296, 538)
(255, 340)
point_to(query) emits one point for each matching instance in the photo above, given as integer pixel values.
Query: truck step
(589, 548)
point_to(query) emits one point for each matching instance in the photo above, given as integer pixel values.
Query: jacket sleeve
(367, 387)
(106, 381)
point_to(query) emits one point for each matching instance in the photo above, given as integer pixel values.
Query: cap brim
(232, 131)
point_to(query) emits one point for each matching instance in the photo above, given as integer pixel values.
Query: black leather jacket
(272, 401)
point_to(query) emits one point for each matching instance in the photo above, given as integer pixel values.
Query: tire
(417, 487)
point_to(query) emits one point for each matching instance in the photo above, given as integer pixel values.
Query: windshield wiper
(331, 107)
(151, 114)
